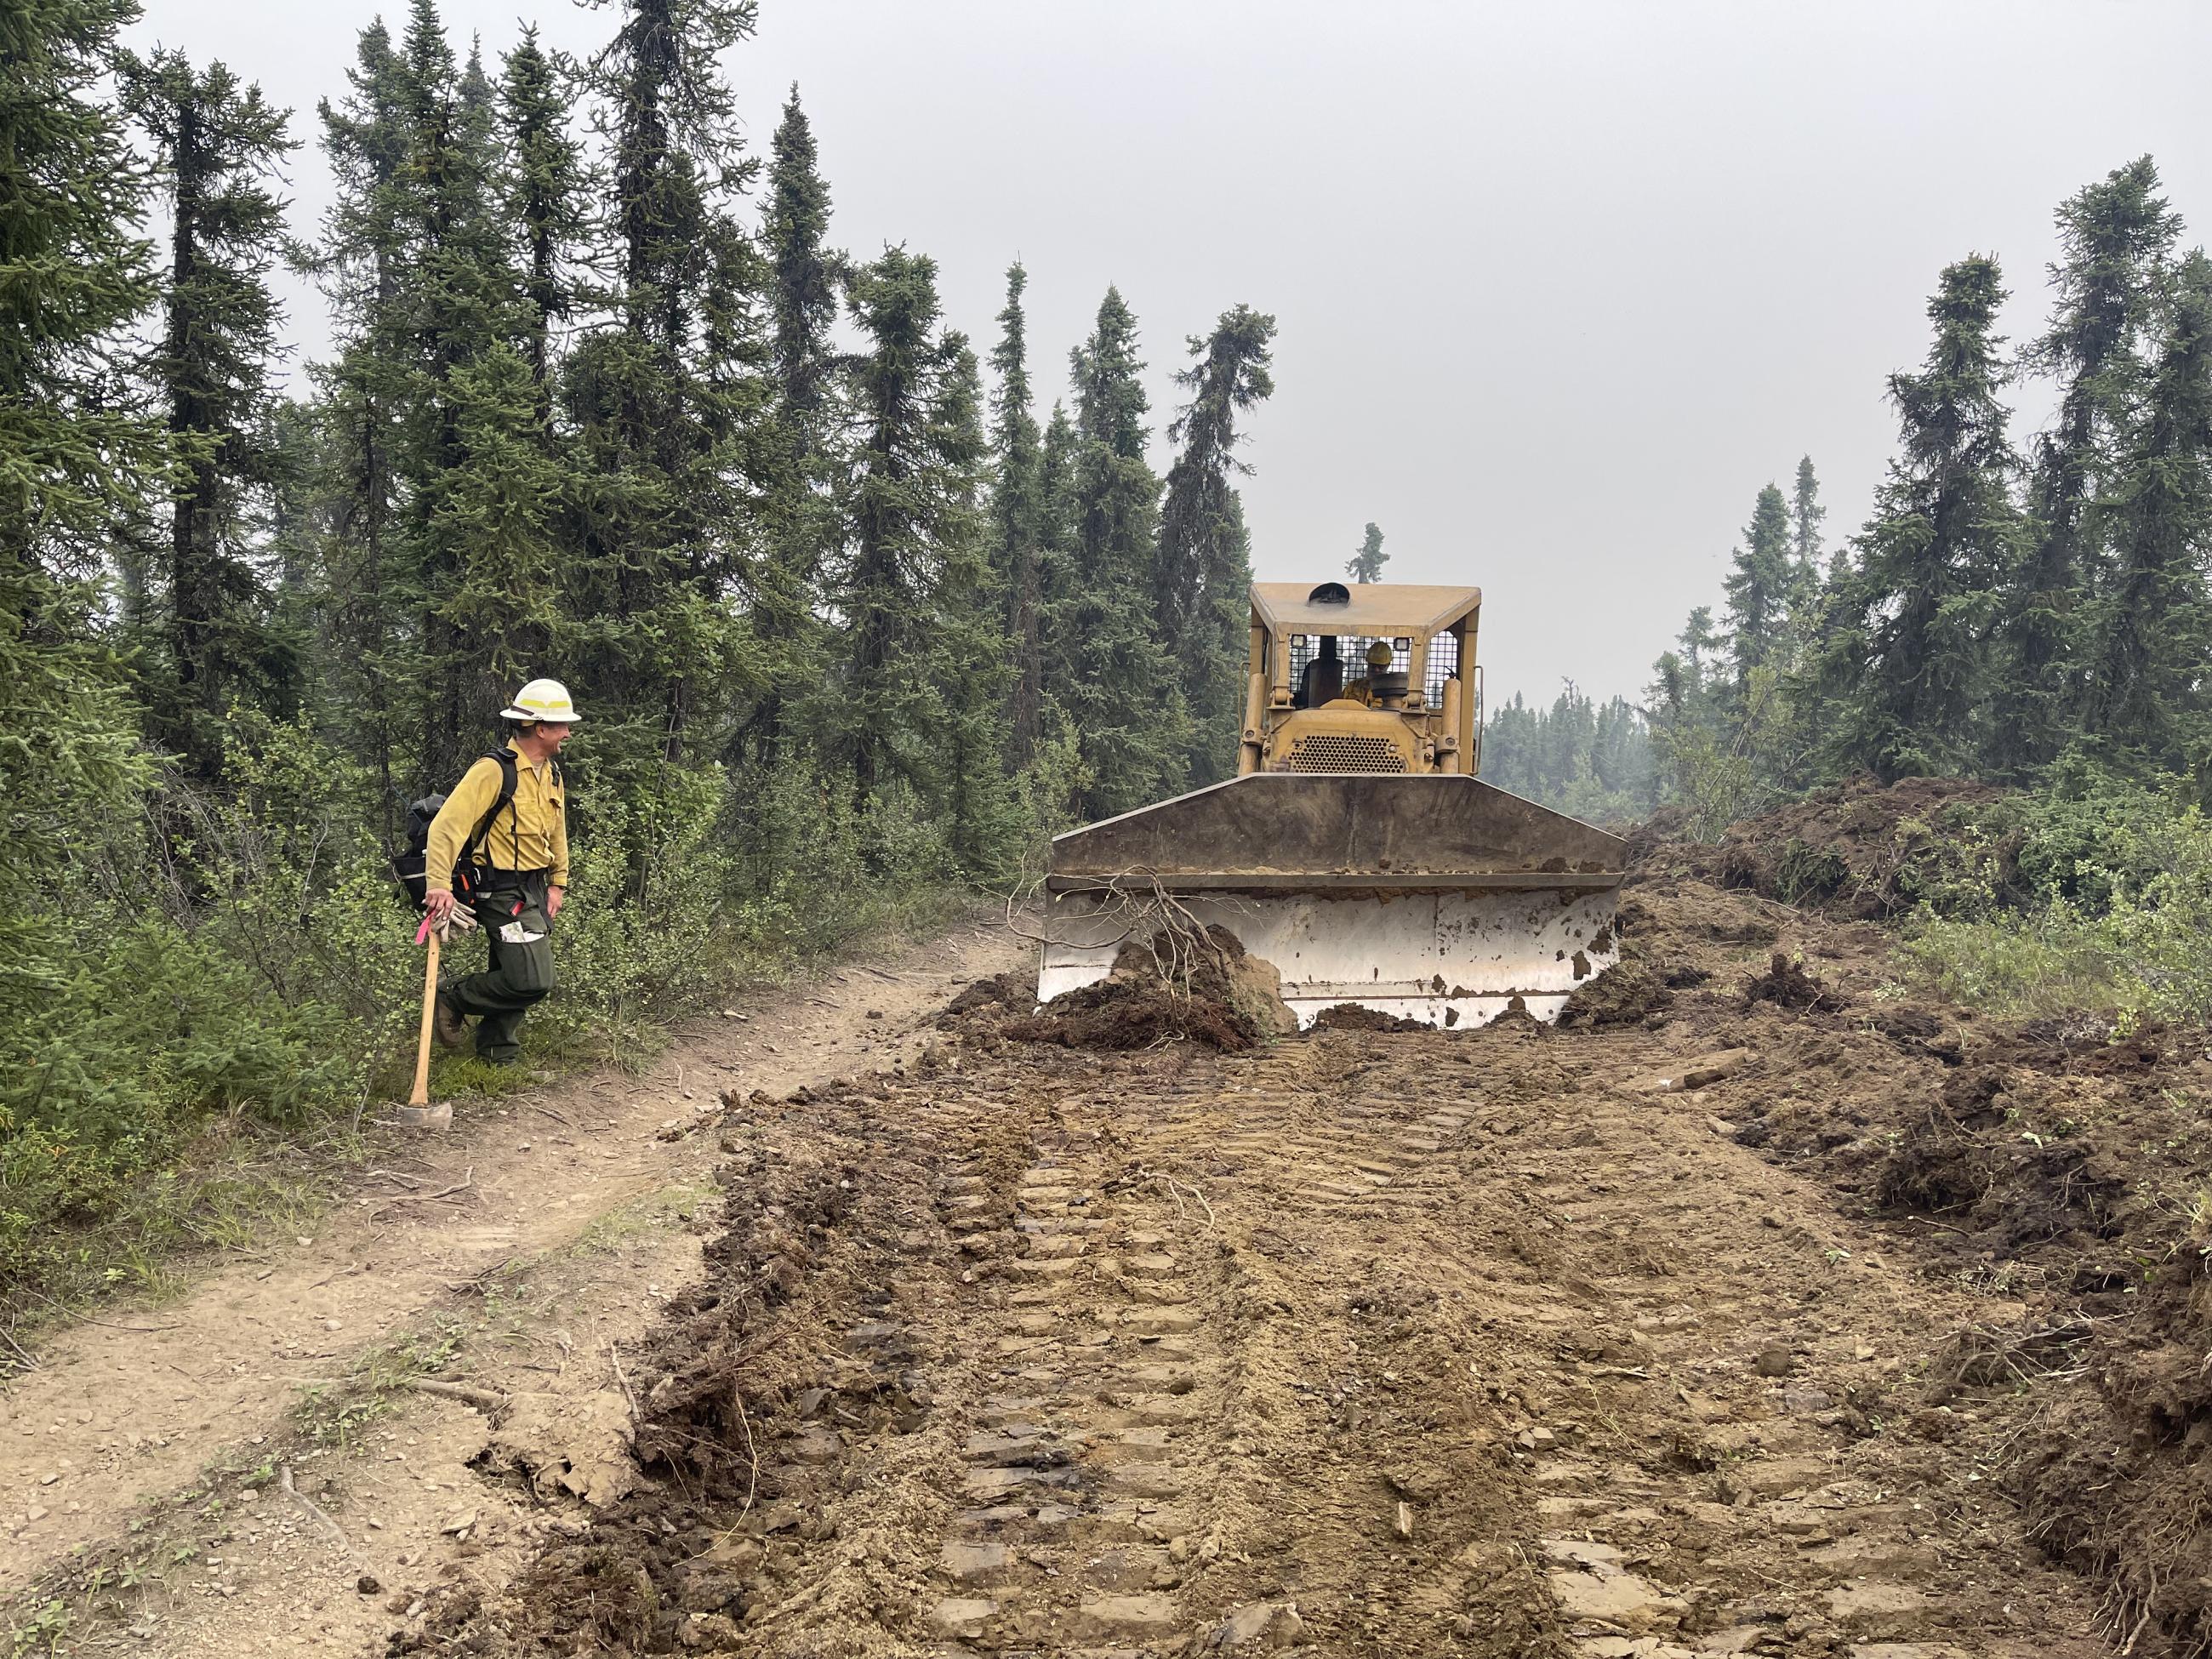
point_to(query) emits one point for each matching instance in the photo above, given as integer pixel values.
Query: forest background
(854, 623)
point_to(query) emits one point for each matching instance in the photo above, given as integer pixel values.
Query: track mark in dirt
(1081, 1477)
(559, 1238)
(1358, 1343)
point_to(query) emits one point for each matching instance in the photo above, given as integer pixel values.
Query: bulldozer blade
(1441, 899)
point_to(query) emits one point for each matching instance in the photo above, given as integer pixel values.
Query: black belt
(492, 877)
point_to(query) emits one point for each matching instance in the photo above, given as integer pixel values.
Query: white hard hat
(543, 699)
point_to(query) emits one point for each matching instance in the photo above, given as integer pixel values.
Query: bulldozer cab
(1347, 678)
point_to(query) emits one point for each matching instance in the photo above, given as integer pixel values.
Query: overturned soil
(1760, 1307)
(1486, 1343)
(1854, 851)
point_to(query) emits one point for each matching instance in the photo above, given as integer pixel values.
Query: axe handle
(422, 1095)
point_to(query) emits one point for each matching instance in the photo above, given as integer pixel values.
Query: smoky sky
(1559, 285)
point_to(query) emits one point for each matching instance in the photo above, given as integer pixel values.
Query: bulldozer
(1356, 851)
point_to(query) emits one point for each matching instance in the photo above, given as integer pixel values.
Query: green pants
(511, 910)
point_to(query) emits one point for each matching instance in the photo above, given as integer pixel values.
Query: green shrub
(2120, 929)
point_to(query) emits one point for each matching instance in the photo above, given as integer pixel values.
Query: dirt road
(145, 1459)
(1359, 1342)
(1365, 1342)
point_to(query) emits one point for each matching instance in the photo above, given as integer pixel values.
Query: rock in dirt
(1887, 1609)
(1693, 1073)
(1259, 1627)
(1140, 1616)
(1774, 1362)
(963, 1616)
(1622, 1599)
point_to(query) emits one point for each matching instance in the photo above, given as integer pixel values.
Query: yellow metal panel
(1379, 608)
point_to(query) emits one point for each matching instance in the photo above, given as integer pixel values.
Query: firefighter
(517, 875)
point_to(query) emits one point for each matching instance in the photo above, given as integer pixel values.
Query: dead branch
(614, 1359)
(462, 1185)
(307, 1507)
(752, 1482)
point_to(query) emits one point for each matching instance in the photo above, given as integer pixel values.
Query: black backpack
(412, 863)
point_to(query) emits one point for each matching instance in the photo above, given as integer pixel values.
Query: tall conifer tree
(1760, 588)
(74, 273)
(1909, 659)
(1122, 692)
(545, 183)
(2115, 237)
(1203, 569)
(218, 147)
(1806, 513)
(1018, 513)
(1366, 565)
(2153, 627)
(460, 294)
(914, 562)
(672, 405)
(360, 261)
(804, 273)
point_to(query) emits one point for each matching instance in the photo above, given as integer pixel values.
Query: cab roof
(1360, 608)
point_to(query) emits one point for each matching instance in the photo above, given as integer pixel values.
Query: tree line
(847, 614)
(2014, 609)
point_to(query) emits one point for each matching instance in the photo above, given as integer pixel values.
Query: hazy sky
(1560, 283)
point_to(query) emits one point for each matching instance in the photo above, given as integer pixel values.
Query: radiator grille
(1333, 751)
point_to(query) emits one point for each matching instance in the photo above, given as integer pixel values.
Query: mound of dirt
(1851, 851)
(1634, 991)
(1210, 991)
(1787, 985)
(1351, 1016)
(1008, 990)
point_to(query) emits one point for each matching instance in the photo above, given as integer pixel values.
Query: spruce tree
(1806, 513)
(544, 182)
(218, 147)
(1203, 572)
(1056, 566)
(1366, 565)
(460, 293)
(1807, 578)
(804, 273)
(2153, 627)
(1017, 527)
(1121, 690)
(971, 657)
(76, 455)
(1760, 588)
(915, 540)
(671, 403)
(2115, 238)
(360, 261)
(1908, 662)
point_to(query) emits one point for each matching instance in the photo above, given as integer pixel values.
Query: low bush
(2103, 905)
(223, 973)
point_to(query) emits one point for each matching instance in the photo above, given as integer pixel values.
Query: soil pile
(1203, 988)
(1854, 851)
(1787, 985)
(1632, 992)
